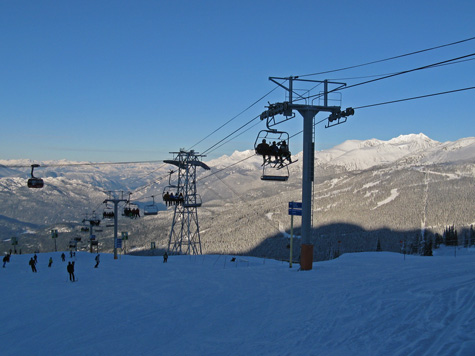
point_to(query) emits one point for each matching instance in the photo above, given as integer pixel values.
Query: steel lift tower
(305, 105)
(185, 231)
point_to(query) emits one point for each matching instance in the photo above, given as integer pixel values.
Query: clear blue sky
(134, 80)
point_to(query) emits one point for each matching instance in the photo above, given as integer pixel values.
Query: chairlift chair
(151, 209)
(131, 210)
(35, 182)
(108, 213)
(273, 146)
(170, 192)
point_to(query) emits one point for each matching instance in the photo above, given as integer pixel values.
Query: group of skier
(280, 152)
(132, 212)
(70, 267)
(171, 199)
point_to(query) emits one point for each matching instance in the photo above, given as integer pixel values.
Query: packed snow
(394, 195)
(359, 304)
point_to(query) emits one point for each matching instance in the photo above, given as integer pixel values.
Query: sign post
(295, 208)
(54, 236)
(125, 237)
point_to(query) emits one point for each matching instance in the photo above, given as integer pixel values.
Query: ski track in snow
(367, 304)
(394, 195)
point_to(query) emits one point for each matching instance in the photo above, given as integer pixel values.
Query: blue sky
(134, 80)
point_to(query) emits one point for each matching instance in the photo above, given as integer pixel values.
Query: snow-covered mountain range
(369, 188)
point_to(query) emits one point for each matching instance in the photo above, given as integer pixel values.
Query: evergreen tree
(416, 245)
(427, 248)
(438, 240)
(450, 236)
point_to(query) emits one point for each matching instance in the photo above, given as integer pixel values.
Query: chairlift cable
(232, 133)
(438, 64)
(233, 138)
(233, 118)
(414, 98)
(382, 75)
(390, 58)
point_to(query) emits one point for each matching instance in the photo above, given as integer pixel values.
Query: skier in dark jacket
(33, 265)
(5, 260)
(70, 269)
(97, 261)
(165, 257)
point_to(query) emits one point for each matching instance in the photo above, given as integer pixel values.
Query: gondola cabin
(35, 182)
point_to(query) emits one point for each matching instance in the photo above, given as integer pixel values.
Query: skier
(36, 258)
(165, 257)
(6, 259)
(33, 265)
(50, 262)
(63, 257)
(97, 261)
(70, 269)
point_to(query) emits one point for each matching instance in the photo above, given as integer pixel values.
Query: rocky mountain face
(393, 192)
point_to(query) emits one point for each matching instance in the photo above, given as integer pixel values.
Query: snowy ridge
(370, 185)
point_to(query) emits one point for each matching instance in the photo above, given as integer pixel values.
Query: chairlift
(151, 209)
(171, 198)
(108, 213)
(273, 146)
(131, 210)
(34, 182)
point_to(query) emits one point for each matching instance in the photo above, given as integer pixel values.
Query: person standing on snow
(50, 262)
(70, 269)
(33, 265)
(165, 257)
(97, 261)
(63, 257)
(6, 259)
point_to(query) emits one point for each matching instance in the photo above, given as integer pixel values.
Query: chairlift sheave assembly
(35, 182)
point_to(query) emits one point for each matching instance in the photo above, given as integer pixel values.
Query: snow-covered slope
(365, 304)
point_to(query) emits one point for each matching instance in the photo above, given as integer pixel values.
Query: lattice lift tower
(185, 231)
(305, 105)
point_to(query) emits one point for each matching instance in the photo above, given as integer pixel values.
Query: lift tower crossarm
(291, 90)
